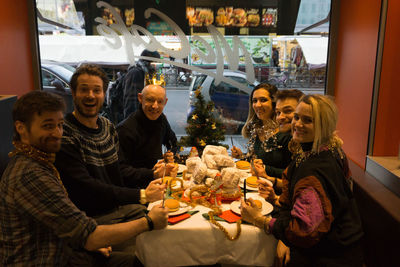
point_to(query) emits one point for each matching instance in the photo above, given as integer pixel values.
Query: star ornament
(197, 92)
(194, 117)
(202, 143)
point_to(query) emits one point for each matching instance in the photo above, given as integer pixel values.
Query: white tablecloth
(195, 241)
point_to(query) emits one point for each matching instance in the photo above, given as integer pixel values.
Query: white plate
(241, 182)
(181, 168)
(183, 208)
(266, 207)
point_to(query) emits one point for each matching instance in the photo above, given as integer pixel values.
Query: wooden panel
(355, 67)
(16, 63)
(387, 127)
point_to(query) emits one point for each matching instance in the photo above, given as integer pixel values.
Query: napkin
(229, 216)
(176, 219)
(179, 218)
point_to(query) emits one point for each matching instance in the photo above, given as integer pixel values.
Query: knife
(232, 142)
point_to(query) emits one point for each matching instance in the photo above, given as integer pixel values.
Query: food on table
(172, 204)
(200, 173)
(252, 181)
(256, 204)
(243, 165)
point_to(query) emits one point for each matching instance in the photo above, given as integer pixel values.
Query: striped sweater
(89, 167)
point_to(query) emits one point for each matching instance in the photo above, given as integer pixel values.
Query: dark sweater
(141, 139)
(319, 216)
(89, 167)
(279, 157)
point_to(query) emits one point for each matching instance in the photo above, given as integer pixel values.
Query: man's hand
(159, 215)
(155, 190)
(172, 169)
(159, 169)
(236, 152)
(169, 157)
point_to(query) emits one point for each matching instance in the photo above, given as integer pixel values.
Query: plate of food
(175, 207)
(261, 204)
(251, 182)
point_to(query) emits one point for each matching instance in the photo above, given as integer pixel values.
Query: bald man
(143, 133)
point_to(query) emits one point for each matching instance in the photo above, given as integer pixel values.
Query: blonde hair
(252, 117)
(325, 116)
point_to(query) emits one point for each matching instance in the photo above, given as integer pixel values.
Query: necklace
(299, 156)
(46, 159)
(265, 132)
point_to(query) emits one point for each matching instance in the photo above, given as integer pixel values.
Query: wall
(355, 66)
(16, 74)
(387, 128)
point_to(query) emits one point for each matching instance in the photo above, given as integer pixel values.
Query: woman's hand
(105, 251)
(259, 168)
(266, 191)
(282, 256)
(236, 152)
(249, 213)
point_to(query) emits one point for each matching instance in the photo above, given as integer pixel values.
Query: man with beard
(40, 226)
(144, 132)
(88, 160)
(134, 81)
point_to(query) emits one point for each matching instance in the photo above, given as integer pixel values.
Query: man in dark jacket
(144, 132)
(134, 81)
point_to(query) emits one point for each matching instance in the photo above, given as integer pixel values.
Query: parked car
(55, 79)
(231, 103)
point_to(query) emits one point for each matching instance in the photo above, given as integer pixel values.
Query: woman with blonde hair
(318, 217)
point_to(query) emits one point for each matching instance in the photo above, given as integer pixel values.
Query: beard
(79, 107)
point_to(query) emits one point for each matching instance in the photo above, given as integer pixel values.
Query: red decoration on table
(229, 216)
(176, 219)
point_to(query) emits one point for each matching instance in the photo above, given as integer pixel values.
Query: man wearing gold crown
(144, 132)
(134, 81)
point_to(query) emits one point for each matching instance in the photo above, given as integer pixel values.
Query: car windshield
(199, 80)
(63, 71)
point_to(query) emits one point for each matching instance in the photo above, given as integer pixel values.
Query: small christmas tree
(203, 127)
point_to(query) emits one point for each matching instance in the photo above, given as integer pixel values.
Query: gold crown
(154, 79)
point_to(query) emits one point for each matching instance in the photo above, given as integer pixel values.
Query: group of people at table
(75, 190)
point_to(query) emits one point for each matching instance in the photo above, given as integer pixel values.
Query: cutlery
(244, 190)
(163, 197)
(232, 142)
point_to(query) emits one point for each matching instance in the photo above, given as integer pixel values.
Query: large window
(224, 47)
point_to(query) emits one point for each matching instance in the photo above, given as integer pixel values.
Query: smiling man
(88, 160)
(40, 226)
(144, 132)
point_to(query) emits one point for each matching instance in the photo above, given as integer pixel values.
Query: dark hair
(251, 117)
(90, 69)
(148, 53)
(35, 102)
(270, 88)
(290, 93)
